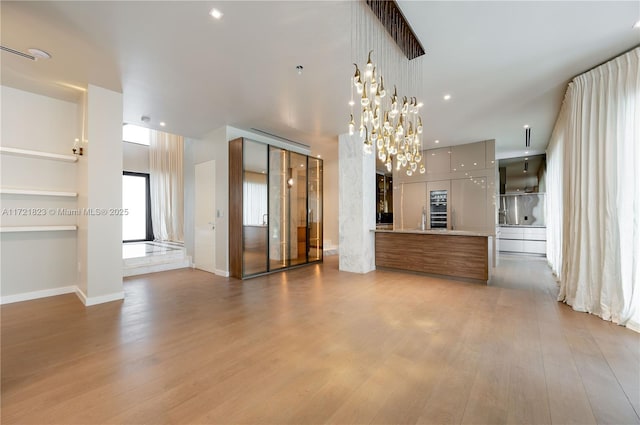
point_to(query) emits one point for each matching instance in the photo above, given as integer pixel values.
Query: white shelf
(36, 192)
(14, 229)
(37, 154)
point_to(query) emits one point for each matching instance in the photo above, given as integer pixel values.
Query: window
(136, 224)
(135, 134)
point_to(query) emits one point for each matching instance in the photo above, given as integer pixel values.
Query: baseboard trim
(89, 301)
(27, 296)
(222, 273)
(634, 326)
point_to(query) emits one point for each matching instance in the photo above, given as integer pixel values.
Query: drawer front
(535, 234)
(510, 245)
(511, 233)
(534, 247)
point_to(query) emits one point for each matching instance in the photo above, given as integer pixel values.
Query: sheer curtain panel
(594, 192)
(167, 187)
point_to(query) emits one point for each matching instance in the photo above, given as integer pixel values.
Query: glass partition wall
(254, 207)
(281, 209)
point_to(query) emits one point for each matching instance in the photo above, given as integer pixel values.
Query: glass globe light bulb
(364, 100)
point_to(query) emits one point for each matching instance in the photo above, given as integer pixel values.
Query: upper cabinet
(438, 161)
(468, 174)
(469, 205)
(490, 153)
(468, 157)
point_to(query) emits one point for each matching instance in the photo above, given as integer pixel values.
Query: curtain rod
(605, 61)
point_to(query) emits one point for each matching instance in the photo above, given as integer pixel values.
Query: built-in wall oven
(438, 209)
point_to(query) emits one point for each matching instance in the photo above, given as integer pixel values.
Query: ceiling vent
(17, 52)
(34, 54)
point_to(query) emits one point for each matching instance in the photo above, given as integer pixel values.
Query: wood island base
(448, 254)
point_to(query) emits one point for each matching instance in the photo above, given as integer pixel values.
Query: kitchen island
(454, 253)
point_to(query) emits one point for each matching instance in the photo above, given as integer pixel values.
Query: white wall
(135, 157)
(331, 193)
(102, 234)
(37, 261)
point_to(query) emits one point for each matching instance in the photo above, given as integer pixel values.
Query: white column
(100, 193)
(356, 206)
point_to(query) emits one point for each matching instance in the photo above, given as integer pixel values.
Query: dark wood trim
(235, 208)
(394, 21)
(449, 255)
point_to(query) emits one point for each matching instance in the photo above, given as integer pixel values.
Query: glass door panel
(278, 208)
(315, 209)
(297, 193)
(254, 208)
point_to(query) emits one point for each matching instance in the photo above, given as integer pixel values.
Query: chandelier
(388, 122)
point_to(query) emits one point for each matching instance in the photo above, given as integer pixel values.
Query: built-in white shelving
(15, 229)
(36, 192)
(37, 154)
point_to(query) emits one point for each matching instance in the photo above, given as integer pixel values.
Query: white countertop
(436, 232)
(525, 226)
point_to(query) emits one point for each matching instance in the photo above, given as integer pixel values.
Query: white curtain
(255, 199)
(593, 192)
(167, 187)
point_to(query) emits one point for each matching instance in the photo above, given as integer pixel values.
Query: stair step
(153, 259)
(155, 267)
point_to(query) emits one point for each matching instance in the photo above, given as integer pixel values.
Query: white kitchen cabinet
(529, 240)
(511, 245)
(413, 198)
(468, 157)
(534, 233)
(534, 247)
(469, 204)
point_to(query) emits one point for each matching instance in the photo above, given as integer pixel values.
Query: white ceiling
(504, 63)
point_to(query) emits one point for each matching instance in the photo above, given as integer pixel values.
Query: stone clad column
(356, 206)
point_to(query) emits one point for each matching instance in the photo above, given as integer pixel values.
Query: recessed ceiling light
(319, 156)
(637, 24)
(437, 141)
(39, 54)
(162, 123)
(433, 154)
(526, 126)
(215, 13)
(475, 163)
(447, 97)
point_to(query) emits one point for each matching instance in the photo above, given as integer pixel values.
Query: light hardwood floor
(315, 345)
